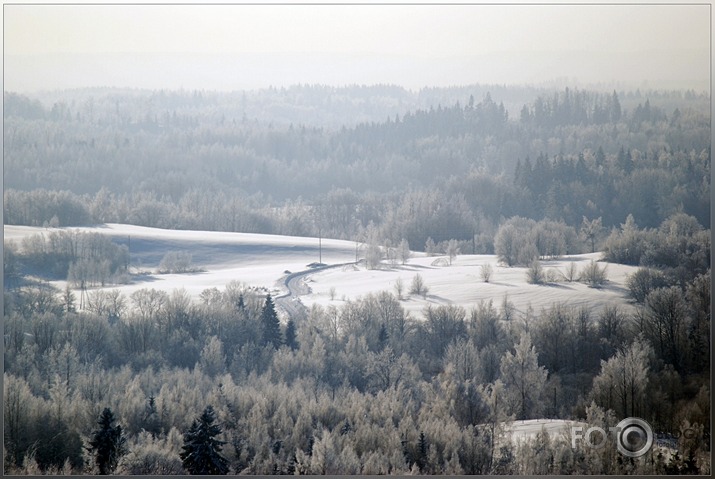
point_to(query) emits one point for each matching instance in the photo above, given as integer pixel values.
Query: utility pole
(320, 245)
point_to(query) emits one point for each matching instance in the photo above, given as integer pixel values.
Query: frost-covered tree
(201, 452)
(625, 245)
(452, 249)
(666, 324)
(107, 304)
(591, 231)
(514, 242)
(150, 455)
(399, 288)
(444, 324)
(213, 359)
(403, 251)
(462, 359)
(149, 302)
(176, 262)
(621, 384)
(386, 370)
(506, 245)
(373, 251)
(523, 379)
(418, 286)
(430, 247)
(697, 296)
(643, 281)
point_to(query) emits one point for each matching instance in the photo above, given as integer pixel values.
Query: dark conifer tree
(382, 337)
(291, 335)
(201, 453)
(624, 160)
(108, 443)
(54, 443)
(152, 422)
(422, 449)
(270, 324)
(241, 306)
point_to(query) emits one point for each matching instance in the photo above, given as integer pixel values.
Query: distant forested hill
(275, 160)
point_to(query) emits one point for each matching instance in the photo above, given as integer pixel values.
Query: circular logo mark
(634, 437)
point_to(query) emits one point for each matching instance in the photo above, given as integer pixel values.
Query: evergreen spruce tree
(241, 306)
(422, 449)
(382, 337)
(201, 450)
(291, 335)
(108, 443)
(270, 324)
(151, 420)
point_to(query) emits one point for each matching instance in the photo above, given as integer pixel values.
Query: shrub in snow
(552, 275)
(403, 251)
(399, 288)
(593, 275)
(176, 262)
(485, 272)
(571, 273)
(535, 273)
(452, 249)
(418, 286)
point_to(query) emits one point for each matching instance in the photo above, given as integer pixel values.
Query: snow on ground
(461, 283)
(255, 259)
(262, 260)
(528, 429)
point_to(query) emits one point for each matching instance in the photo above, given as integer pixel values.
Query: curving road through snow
(295, 285)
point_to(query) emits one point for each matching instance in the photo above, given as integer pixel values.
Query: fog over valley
(357, 239)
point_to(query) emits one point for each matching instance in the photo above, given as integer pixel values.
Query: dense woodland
(98, 382)
(198, 161)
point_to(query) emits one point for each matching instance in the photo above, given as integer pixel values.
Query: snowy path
(296, 287)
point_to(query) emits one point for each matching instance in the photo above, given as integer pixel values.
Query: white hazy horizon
(233, 47)
(29, 73)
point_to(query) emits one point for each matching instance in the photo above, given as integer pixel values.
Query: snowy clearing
(263, 260)
(254, 259)
(461, 284)
(528, 429)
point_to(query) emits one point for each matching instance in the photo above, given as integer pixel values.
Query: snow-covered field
(461, 283)
(254, 259)
(528, 429)
(262, 261)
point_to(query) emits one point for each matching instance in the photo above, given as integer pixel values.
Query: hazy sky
(246, 46)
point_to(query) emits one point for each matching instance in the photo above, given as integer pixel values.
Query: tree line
(359, 388)
(84, 259)
(569, 161)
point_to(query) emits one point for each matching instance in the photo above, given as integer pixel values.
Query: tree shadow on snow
(556, 285)
(498, 283)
